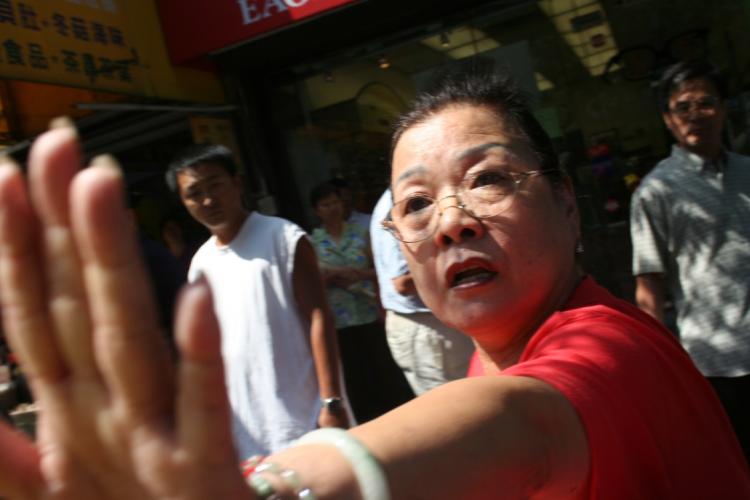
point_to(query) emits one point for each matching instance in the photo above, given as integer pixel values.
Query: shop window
(588, 65)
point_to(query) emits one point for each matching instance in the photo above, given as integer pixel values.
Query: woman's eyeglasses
(415, 218)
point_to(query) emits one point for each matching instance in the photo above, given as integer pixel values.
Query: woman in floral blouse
(374, 383)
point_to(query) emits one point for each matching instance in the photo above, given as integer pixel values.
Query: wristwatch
(334, 404)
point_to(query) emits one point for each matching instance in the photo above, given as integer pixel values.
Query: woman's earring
(579, 247)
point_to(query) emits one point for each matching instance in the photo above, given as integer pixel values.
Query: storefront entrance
(588, 66)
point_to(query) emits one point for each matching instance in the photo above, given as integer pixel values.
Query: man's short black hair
(677, 74)
(476, 83)
(197, 154)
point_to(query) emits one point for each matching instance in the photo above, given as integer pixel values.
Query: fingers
(53, 163)
(203, 414)
(19, 465)
(22, 282)
(130, 351)
(202, 406)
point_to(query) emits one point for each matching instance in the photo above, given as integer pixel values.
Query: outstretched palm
(117, 422)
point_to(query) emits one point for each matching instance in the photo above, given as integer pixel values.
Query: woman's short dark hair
(677, 74)
(476, 83)
(197, 154)
(321, 192)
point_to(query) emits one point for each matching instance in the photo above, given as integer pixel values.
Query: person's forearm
(654, 308)
(312, 306)
(489, 437)
(649, 295)
(330, 275)
(404, 285)
(493, 437)
(325, 353)
(367, 273)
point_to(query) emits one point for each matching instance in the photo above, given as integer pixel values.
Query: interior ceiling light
(542, 83)
(584, 26)
(464, 41)
(384, 63)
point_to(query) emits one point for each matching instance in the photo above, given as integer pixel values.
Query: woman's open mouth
(470, 273)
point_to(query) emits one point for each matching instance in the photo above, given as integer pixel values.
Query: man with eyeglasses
(690, 227)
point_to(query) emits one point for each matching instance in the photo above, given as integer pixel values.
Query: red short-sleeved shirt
(654, 426)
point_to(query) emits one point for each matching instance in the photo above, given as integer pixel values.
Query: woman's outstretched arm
(486, 437)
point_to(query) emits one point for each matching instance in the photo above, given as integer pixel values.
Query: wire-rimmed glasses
(705, 106)
(415, 218)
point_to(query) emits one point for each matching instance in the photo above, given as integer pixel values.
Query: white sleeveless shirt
(270, 373)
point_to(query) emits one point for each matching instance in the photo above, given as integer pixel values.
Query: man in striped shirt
(690, 227)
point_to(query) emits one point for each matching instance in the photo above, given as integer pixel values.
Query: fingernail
(106, 161)
(62, 122)
(7, 170)
(6, 162)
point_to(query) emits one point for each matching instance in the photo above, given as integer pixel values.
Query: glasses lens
(681, 108)
(491, 192)
(413, 217)
(705, 105)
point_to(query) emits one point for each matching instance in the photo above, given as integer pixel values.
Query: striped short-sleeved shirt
(690, 220)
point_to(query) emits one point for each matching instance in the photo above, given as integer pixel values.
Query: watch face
(333, 404)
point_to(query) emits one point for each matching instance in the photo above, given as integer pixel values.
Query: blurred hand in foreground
(117, 421)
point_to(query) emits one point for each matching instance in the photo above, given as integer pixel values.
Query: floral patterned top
(357, 304)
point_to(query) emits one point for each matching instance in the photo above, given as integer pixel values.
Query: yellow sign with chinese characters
(109, 45)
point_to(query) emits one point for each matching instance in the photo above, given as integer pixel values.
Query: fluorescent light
(464, 42)
(542, 83)
(584, 26)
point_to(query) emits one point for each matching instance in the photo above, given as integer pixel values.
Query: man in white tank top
(278, 341)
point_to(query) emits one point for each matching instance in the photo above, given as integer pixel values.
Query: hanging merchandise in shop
(215, 25)
(104, 45)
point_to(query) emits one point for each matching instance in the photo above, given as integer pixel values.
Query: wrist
(370, 477)
(333, 404)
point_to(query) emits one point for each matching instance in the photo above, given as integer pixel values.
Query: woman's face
(496, 279)
(330, 209)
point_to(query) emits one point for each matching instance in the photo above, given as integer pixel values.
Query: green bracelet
(370, 477)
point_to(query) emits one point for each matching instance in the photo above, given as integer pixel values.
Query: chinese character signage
(111, 45)
(216, 24)
(215, 131)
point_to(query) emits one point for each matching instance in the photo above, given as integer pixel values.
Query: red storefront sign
(193, 28)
